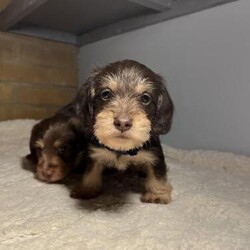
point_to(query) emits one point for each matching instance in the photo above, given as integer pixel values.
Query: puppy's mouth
(55, 178)
(51, 175)
(121, 141)
(122, 135)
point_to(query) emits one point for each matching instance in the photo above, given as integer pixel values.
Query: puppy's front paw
(163, 198)
(85, 193)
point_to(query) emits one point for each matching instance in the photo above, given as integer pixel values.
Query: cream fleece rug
(210, 207)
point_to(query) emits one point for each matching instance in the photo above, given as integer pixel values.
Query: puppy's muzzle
(48, 173)
(123, 123)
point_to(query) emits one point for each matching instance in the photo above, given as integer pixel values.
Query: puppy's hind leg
(158, 190)
(91, 185)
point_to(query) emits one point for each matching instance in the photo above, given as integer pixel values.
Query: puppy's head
(124, 104)
(56, 152)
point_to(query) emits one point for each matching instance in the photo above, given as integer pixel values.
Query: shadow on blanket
(116, 187)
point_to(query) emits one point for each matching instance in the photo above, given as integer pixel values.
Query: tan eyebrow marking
(39, 144)
(111, 82)
(142, 87)
(57, 143)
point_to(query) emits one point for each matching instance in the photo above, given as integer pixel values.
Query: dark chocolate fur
(65, 127)
(160, 112)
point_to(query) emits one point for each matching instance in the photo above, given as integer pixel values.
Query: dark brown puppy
(56, 146)
(124, 107)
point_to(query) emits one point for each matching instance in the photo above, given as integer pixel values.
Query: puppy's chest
(112, 159)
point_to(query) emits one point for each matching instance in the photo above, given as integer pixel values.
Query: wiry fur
(107, 134)
(127, 82)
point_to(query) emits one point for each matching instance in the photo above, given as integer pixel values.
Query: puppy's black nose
(123, 123)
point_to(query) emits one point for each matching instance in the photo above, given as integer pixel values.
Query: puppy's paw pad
(156, 198)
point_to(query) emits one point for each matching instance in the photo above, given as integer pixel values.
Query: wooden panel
(37, 76)
(44, 95)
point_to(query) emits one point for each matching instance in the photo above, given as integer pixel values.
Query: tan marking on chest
(109, 158)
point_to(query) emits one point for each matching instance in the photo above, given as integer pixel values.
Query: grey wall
(205, 58)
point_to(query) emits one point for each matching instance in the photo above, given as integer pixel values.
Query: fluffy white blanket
(210, 207)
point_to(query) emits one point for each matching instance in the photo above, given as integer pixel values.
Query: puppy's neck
(131, 152)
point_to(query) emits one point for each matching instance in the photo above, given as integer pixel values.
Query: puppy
(56, 147)
(125, 106)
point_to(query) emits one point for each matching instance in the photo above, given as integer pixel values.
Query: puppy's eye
(106, 94)
(38, 151)
(145, 99)
(61, 149)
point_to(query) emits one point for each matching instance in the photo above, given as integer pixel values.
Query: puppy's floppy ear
(80, 132)
(76, 125)
(165, 110)
(83, 101)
